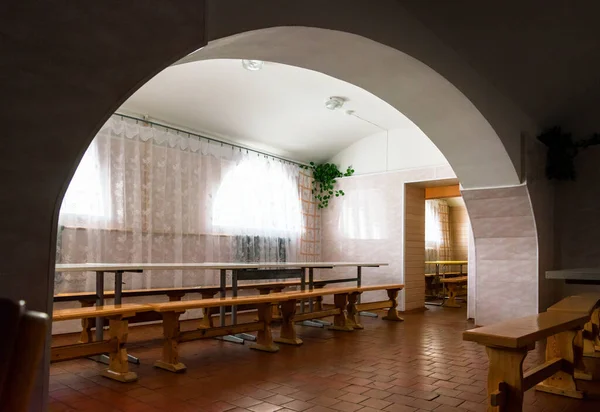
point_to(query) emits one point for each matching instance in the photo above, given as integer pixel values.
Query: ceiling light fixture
(252, 65)
(335, 103)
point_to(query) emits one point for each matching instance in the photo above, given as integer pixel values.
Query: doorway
(438, 245)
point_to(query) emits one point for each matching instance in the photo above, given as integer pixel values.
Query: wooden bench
(172, 293)
(118, 368)
(507, 344)
(430, 275)
(88, 299)
(453, 284)
(345, 315)
(588, 338)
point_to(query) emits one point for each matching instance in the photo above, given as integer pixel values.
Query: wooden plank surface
(523, 332)
(129, 309)
(584, 303)
(108, 267)
(256, 299)
(460, 279)
(81, 350)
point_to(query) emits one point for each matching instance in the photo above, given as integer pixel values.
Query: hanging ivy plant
(324, 180)
(562, 151)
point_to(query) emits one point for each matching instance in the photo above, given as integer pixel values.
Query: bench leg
(505, 379)
(170, 352)
(275, 307)
(288, 330)
(592, 343)
(340, 321)
(264, 338)
(207, 322)
(392, 311)
(86, 325)
(353, 318)
(452, 292)
(318, 303)
(118, 368)
(563, 345)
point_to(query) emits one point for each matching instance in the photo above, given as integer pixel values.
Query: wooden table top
(111, 267)
(575, 274)
(522, 332)
(446, 262)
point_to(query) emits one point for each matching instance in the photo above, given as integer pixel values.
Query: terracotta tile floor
(421, 364)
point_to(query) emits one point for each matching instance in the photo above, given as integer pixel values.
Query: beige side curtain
(437, 232)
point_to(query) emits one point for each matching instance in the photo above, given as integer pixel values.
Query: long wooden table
(255, 271)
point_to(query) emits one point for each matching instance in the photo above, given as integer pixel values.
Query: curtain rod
(210, 139)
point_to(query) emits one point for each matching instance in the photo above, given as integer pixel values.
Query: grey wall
(577, 222)
(65, 68)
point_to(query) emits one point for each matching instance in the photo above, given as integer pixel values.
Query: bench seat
(125, 310)
(345, 313)
(524, 332)
(507, 344)
(118, 368)
(588, 339)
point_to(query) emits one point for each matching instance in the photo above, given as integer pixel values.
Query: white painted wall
(398, 149)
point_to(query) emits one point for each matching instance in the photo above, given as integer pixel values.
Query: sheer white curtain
(146, 194)
(437, 232)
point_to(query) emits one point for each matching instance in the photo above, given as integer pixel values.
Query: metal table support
(223, 312)
(315, 323)
(359, 284)
(100, 302)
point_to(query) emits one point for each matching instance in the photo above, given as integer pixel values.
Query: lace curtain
(437, 232)
(146, 194)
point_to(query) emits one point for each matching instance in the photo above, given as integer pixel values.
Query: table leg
(310, 287)
(223, 287)
(302, 287)
(359, 284)
(118, 287)
(100, 320)
(315, 323)
(234, 291)
(99, 302)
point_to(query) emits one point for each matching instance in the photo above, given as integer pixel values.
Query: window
(433, 229)
(258, 197)
(84, 195)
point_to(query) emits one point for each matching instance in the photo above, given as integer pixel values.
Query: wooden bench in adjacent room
(118, 368)
(507, 344)
(454, 285)
(588, 339)
(345, 315)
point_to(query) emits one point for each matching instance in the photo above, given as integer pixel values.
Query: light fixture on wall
(335, 102)
(252, 65)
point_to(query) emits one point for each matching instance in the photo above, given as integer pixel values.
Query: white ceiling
(279, 109)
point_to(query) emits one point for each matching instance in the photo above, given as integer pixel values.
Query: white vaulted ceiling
(279, 108)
